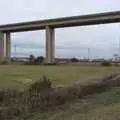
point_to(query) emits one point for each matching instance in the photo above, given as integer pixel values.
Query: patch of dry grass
(19, 76)
(104, 106)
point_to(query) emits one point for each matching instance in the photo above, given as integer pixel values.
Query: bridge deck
(91, 19)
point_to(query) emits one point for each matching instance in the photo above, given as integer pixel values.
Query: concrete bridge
(50, 25)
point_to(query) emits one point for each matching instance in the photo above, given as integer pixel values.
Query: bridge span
(50, 25)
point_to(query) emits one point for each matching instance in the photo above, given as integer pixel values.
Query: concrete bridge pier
(8, 46)
(50, 45)
(2, 49)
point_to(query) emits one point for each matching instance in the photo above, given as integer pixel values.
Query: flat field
(20, 76)
(104, 106)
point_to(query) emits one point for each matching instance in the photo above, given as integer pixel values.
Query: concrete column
(50, 45)
(8, 46)
(2, 52)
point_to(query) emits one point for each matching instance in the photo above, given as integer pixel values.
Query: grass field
(19, 76)
(104, 106)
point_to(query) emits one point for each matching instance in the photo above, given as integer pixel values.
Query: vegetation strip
(41, 96)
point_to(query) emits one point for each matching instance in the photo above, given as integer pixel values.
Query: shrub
(43, 84)
(31, 59)
(94, 88)
(39, 93)
(74, 60)
(39, 60)
(4, 62)
(26, 63)
(106, 63)
(12, 105)
(34, 61)
(58, 96)
(50, 64)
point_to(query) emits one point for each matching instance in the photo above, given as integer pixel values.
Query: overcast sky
(102, 40)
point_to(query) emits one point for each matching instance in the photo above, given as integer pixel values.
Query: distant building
(20, 59)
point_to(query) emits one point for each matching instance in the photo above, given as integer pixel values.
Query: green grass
(105, 106)
(19, 76)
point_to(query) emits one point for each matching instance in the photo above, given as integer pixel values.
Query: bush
(74, 60)
(12, 104)
(39, 93)
(4, 62)
(41, 85)
(50, 64)
(34, 61)
(39, 60)
(106, 63)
